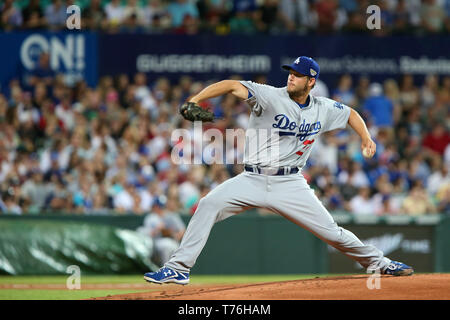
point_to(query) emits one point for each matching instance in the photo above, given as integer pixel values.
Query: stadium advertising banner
(208, 57)
(414, 244)
(73, 54)
(85, 55)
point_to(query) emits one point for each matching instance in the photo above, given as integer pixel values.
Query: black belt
(272, 172)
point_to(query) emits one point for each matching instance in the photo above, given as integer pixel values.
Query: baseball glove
(193, 112)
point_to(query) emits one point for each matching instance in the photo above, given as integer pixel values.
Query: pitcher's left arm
(357, 123)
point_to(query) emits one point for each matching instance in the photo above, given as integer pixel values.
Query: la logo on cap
(297, 61)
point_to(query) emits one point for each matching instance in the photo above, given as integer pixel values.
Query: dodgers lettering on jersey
(281, 132)
(282, 122)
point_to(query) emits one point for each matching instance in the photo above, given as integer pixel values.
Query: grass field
(53, 287)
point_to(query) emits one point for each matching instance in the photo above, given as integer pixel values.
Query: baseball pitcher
(292, 120)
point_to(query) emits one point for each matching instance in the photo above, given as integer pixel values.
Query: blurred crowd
(105, 149)
(410, 124)
(231, 16)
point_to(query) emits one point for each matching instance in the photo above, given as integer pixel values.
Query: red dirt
(415, 287)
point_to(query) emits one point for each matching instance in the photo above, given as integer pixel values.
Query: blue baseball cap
(304, 65)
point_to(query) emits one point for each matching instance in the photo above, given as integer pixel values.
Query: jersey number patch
(306, 145)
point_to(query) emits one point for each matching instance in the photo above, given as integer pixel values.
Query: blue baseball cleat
(167, 275)
(396, 268)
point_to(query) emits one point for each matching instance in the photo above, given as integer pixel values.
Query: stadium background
(87, 116)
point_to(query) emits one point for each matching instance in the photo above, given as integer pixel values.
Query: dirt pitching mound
(356, 287)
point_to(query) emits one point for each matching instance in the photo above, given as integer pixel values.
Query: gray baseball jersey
(282, 132)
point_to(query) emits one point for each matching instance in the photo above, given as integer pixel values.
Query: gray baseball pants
(289, 196)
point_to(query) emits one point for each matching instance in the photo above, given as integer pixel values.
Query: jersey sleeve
(257, 96)
(337, 115)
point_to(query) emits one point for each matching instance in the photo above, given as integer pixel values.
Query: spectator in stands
(392, 93)
(356, 21)
(439, 178)
(43, 72)
(418, 202)
(189, 191)
(165, 228)
(437, 140)
(400, 185)
(108, 138)
(446, 157)
(133, 18)
(362, 204)
(432, 16)
(179, 9)
(325, 153)
(401, 17)
(35, 191)
(438, 111)
(26, 111)
(326, 14)
(385, 207)
(40, 95)
(409, 93)
(298, 15)
(387, 18)
(33, 16)
(414, 8)
(320, 89)
(217, 175)
(379, 108)
(131, 9)
(382, 200)
(318, 16)
(132, 24)
(268, 17)
(361, 91)
(3, 108)
(99, 205)
(94, 17)
(128, 200)
(344, 92)
(418, 170)
(59, 198)
(214, 15)
(429, 90)
(8, 205)
(55, 15)
(83, 198)
(143, 94)
(114, 14)
(155, 16)
(188, 26)
(443, 199)
(332, 198)
(444, 92)
(349, 5)
(11, 16)
(65, 112)
(244, 17)
(204, 189)
(413, 131)
(354, 176)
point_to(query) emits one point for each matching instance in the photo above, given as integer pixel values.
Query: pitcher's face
(299, 84)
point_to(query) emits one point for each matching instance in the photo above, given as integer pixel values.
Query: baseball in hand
(366, 153)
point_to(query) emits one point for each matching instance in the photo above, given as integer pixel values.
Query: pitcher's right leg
(233, 196)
